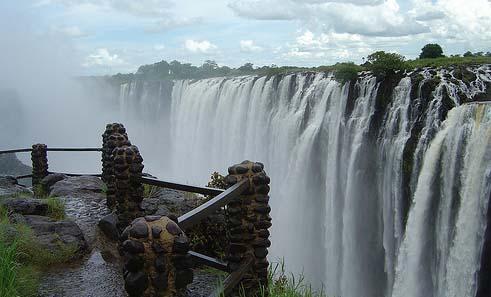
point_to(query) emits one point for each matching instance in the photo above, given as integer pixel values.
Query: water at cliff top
(352, 206)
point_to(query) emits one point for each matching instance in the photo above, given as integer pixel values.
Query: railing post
(129, 193)
(156, 262)
(114, 136)
(248, 221)
(39, 158)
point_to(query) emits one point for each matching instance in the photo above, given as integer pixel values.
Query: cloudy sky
(110, 36)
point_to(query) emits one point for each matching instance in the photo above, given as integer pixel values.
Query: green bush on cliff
(345, 72)
(382, 63)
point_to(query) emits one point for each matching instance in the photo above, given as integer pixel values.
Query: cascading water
(442, 245)
(338, 205)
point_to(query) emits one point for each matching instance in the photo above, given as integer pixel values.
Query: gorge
(380, 186)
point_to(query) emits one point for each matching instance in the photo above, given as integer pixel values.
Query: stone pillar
(248, 221)
(39, 157)
(155, 258)
(129, 194)
(114, 141)
(114, 136)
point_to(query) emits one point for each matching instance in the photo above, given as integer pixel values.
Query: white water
(337, 200)
(446, 264)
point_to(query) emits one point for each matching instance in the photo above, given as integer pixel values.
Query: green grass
(56, 208)
(447, 61)
(281, 284)
(22, 256)
(149, 191)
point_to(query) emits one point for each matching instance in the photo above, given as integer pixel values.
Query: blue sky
(110, 36)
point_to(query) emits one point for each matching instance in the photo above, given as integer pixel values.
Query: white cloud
(102, 57)
(204, 47)
(171, 23)
(248, 46)
(72, 31)
(140, 8)
(159, 47)
(366, 17)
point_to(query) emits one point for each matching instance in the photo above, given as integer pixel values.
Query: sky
(111, 36)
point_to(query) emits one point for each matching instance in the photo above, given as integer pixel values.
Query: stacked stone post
(248, 221)
(129, 193)
(114, 136)
(156, 262)
(39, 158)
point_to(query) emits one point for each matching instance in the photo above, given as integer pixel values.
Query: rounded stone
(181, 244)
(157, 248)
(241, 169)
(136, 283)
(262, 209)
(263, 189)
(139, 230)
(182, 261)
(256, 168)
(173, 218)
(262, 199)
(134, 262)
(183, 278)
(261, 252)
(245, 162)
(156, 230)
(173, 228)
(159, 282)
(160, 263)
(133, 246)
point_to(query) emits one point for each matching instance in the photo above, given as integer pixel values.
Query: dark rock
(51, 179)
(181, 245)
(160, 263)
(156, 230)
(262, 199)
(183, 278)
(10, 187)
(26, 206)
(152, 218)
(139, 230)
(261, 252)
(166, 201)
(262, 209)
(241, 169)
(77, 185)
(134, 262)
(160, 282)
(108, 226)
(173, 228)
(157, 248)
(54, 234)
(174, 218)
(133, 246)
(136, 283)
(182, 261)
(124, 235)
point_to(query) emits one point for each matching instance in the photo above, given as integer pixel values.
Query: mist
(42, 98)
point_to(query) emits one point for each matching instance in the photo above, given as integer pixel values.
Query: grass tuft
(56, 208)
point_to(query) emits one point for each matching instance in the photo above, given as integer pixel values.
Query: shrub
(345, 72)
(382, 63)
(431, 51)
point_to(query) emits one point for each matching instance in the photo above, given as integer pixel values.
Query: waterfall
(341, 211)
(442, 245)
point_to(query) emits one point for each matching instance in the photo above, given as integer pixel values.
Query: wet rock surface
(52, 234)
(9, 187)
(99, 273)
(26, 206)
(166, 201)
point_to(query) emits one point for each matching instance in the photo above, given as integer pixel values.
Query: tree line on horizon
(380, 63)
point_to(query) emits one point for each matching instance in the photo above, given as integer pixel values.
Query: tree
(382, 63)
(431, 51)
(247, 67)
(468, 54)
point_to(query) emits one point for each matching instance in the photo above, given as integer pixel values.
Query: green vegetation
(22, 255)
(382, 63)
(448, 61)
(56, 208)
(283, 284)
(431, 51)
(149, 191)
